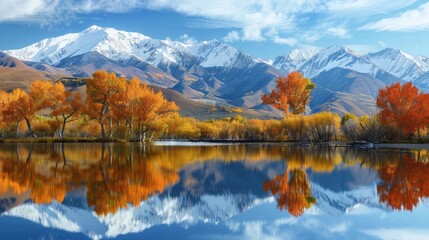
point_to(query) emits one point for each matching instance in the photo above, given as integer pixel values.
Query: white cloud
(20, 9)
(252, 33)
(255, 230)
(286, 41)
(398, 234)
(339, 228)
(232, 36)
(416, 19)
(185, 38)
(382, 44)
(283, 22)
(55, 10)
(286, 221)
(364, 8)
(338, 32)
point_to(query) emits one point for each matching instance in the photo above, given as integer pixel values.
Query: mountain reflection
(116, 175)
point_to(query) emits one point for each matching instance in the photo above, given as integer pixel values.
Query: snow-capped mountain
(397, 63)
(109, 42)
(312, 61)
(294, 60)
(423, 81)
(122, 45)
(337, 56)
(217, 54)
(424, 62)
(213, 70)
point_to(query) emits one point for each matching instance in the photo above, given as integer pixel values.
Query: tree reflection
(121, 176)
(20, 176)
(405, 183)
(118, 180)
(292, 190)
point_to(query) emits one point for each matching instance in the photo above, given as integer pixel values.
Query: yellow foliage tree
(103, 90)
(20, 106)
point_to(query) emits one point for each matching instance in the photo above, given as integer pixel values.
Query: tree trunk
(30, 128)
(151, 136)
(63, 128)
(418, 133)
(130, 130)
(110, 128)
(103, 133)
(29, 154)
(17, 128)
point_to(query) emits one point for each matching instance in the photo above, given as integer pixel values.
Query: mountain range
(215, 73)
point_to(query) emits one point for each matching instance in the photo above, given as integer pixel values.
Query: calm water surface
(130, 191)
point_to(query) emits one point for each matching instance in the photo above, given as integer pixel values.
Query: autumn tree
(102, 91)
(20, 107)
(63, 105)
(323, 126)
(4, 100)
(44, 94)
(150, 106)
(67, 108)
(297, 128)
(127, 108)
(291, 94)
(404, 107)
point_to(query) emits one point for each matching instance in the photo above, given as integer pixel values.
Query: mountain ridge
(215, 71)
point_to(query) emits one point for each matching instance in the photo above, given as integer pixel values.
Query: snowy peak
(217, 54)
(93, 28)
(336, 56)
(122, 45)
(294, 59)
(394, 62)
(397, 63)
(423, 82)
(313, 61)
(109, 42)
(424, 62)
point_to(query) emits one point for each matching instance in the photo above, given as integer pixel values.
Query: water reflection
(293, 194)
(404, 183)
(113, 174)
(205, 183)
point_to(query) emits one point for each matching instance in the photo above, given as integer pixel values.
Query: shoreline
(184, 142)
(418, 146)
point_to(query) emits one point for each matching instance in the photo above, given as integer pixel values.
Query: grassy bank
(57, 140)
(404, 144)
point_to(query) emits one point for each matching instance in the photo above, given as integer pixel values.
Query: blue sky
(263, 28)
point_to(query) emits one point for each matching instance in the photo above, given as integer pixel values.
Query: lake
(238, 191)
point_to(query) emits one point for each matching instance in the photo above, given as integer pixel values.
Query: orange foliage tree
(404, 107)
(4, 100)
(291, 94)
(20, 107)
(67, 108)
(102, 91)
(148, 108)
